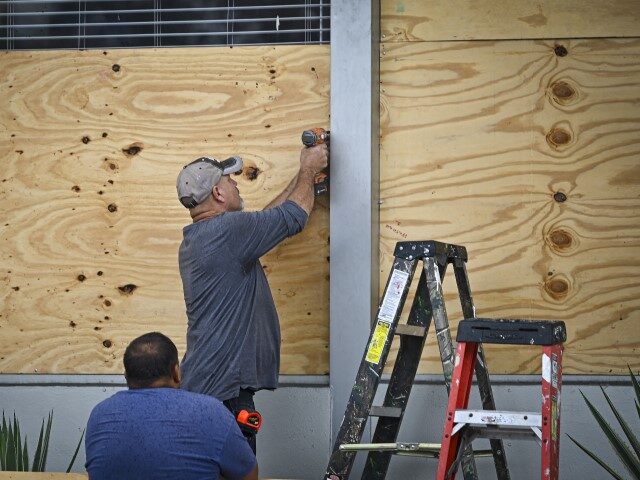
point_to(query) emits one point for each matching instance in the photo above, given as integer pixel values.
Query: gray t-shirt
(233, 333)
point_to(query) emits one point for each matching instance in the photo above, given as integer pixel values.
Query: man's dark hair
(148, 358)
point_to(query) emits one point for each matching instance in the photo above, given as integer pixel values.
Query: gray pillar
(355, 172)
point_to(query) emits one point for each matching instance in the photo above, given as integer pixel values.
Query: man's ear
(218, 195)
(176, 375)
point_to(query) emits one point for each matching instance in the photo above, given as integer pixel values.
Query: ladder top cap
(429, 248)
(512, 331)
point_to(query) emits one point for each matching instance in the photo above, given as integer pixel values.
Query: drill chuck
(315, 136)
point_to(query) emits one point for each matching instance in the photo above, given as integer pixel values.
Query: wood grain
(532, 161)
(443, 20)
(91, 143)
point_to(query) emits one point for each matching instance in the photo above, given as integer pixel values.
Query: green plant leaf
(636, 385)
(45, 443)
(37, 458)
(16, 429)
(622, 450)
(625, 427)
(11, 449)
(3, 443)
(611, 472)
(75, 454)
(25, 457)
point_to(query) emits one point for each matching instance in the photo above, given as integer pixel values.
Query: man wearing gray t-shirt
(233, 332)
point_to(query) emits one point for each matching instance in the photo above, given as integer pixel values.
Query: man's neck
(159, 383)
(205, 215)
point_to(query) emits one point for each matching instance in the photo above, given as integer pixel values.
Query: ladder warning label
(392, 296)
(379, 338)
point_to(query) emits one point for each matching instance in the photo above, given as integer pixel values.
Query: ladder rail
(371, 366)
(435, 272)
(400, 383)
(482, 374)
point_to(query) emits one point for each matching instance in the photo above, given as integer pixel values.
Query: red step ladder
(462, 426)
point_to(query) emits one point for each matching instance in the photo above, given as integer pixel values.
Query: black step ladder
(428, 304)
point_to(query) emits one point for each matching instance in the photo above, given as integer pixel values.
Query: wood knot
(560, 197)
(561, 239)
(107, 343)
(252, 173)
(75, 188)
(560, 51)
(81, 278)
(115, 67)
(107, 303)
(557, 287)
(72, 324)
(132, 150)
(86, 139)
(104, 134)
(563, 90)
(558, 137)
(112, 207)
(127, 289)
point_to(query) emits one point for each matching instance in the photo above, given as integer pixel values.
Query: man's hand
(314, 158)
(300, 190)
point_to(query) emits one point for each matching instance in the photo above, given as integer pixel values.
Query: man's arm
(252, 475)
(300, 189)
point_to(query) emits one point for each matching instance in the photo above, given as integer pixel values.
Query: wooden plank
(530, 160)
(443, 20)
(91, 143)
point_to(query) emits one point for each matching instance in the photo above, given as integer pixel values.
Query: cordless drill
(310, 138)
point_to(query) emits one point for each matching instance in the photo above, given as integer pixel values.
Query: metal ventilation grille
(69, 24)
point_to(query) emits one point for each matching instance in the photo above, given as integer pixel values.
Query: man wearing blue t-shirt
(233, 331)
(154, 430)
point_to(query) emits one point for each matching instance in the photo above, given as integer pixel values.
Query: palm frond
(611, 472)
(14, 451)
(622, 450)
(37, 458)
(45, 443)
(75, 454)
(636, 385)
(624, 425)
(3, 442)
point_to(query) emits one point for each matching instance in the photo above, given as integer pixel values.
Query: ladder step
(411, 330)
(427, 449)
(512, 331)
(497, 418)
(391, 412)
(504, 433)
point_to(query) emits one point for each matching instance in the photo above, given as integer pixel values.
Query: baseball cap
(197, 179)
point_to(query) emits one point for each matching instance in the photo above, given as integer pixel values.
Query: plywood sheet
(532, 161)
(437, 20)
(91, 143)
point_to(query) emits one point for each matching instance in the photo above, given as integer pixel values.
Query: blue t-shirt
(233, 333)
(165, 433)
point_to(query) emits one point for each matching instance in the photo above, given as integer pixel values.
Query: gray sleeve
(252, 234)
